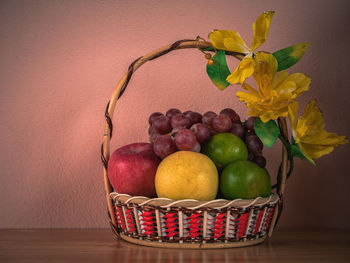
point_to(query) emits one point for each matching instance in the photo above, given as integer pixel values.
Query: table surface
(100, 245)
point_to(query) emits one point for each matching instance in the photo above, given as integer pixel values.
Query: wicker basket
(161, 222)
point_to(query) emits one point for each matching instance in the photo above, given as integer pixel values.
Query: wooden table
(100, 245)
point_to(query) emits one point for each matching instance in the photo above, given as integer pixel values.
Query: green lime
(225, 148)
(246, 180)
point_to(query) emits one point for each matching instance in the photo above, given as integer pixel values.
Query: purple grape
(151, 130)
(254, 145)
(251, 156)
(161, 124)
(237, 129)
(196, 148)
(249, 123)
(208, 117)
(153, 116)
(260, 160)
(153, 137)
(171, 112)
(180, 121)
(222, 123)
(163, 146)
(232, 114)
(185, 140)
(193, 116)
(175, 131)
(248, 133)
(202, 131)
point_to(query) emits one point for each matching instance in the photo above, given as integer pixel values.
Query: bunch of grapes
(177, 130)
(187, 131)
(253, 143)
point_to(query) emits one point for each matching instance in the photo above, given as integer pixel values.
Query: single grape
(237, 129)
(180, 121)
(171, 112)
(175, 131)
(202, 131)
(260, 160)
(254, 144)
(249, 123)
(161, 124)
(208, 117)
(185, 140)
(153, 137)
(222, 123)
(248, 132)
(163, 146)
(196, 148)
(193, 116)
(251, 156)
(232, 114)
(153, 116)
(151, 130)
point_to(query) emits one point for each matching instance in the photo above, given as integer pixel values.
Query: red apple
(132, 168)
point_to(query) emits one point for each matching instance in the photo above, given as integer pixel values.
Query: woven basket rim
(192, 204)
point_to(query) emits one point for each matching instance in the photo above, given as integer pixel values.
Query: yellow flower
(274, 91)
(309, 133)
(232, 41)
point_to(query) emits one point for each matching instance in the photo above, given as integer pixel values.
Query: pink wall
(60, 61)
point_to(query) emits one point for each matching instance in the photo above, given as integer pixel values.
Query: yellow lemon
(187, 175)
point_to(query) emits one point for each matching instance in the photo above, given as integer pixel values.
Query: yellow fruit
(187, 175)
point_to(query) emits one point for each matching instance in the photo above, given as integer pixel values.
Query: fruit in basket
(153, 116)
(180, 121)
(222, 123)
(185, 140)
(232, 114)
(179, 127)
(187, 175)
(132, 169)
(244, 179)
(225, 148)
(237, 129)
(249, 124)
(254, 144)
(164, 145)
(193, 116)
(202, 131)
(208, 117)
(161, 124)
(171, 112)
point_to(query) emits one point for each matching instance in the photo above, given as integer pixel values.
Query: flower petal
(315, 151)
(302, 82)
(292, 113)
(312, 114)
(261, 29)
(279, 78)
(228, 40)
(247, 97)
(311, 136)
(266, 68)
(244, 70)
(246, 86)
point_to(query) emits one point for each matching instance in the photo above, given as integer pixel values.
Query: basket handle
(118, 92)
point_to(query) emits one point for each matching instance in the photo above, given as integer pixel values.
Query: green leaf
(289, 56)
(219, 71)
(297, 152)
(267, 132)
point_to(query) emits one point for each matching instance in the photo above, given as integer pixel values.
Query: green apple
(225, 148)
